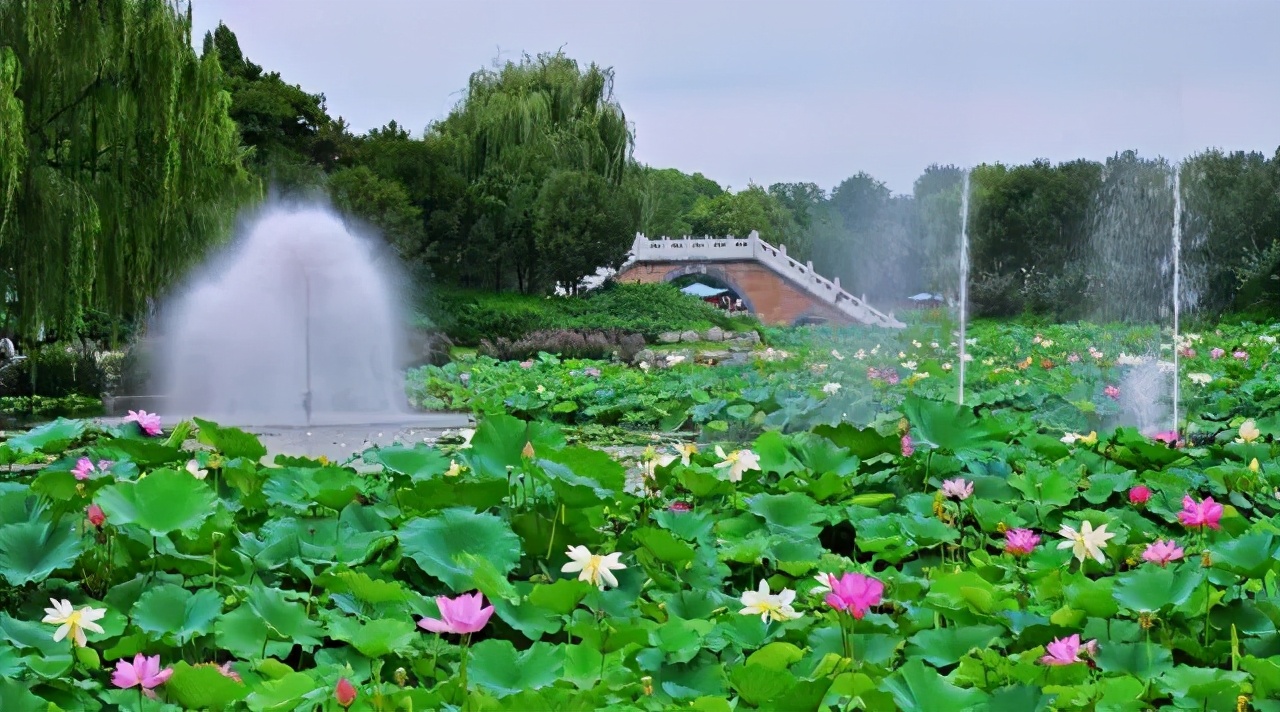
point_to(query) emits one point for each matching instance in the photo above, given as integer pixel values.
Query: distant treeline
(530, 183)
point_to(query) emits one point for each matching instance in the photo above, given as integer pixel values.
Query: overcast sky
(794, 90)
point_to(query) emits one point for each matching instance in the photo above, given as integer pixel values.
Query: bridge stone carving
(772, 285)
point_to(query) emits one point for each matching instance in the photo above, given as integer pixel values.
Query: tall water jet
(298, 324)
(964, 280)
(1177, 279)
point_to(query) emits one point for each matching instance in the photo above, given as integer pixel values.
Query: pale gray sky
(796, 90)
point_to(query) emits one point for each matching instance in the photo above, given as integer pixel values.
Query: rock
(715, 333)
(629, 346)
(690, 336)
(751, 337)
(428, 348)
(713, 356)
(669, 337)
(645, 355)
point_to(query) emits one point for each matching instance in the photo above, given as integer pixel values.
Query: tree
(1231, 227)
(384, 204)
(665, 196)
(750, 209)
(802, 199)
(119, 163)
(582, 221)
(291, 137)
(519, 124)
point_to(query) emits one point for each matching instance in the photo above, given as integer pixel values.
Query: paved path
(340, 442)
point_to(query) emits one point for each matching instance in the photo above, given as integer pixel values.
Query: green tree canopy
(119, 163)
(584, 221)
(518, 125)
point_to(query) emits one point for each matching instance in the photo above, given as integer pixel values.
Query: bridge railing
(697, 249)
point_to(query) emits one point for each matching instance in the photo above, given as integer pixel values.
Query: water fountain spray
(1177, 276)
(964, 280)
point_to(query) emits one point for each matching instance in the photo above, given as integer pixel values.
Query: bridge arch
(773, 286)
(717, 273)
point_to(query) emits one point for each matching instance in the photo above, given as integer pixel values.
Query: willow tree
(519, 124)
(119, 164)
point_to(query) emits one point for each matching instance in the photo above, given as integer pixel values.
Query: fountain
(299, 324)
(964, 280)
(1177, 295)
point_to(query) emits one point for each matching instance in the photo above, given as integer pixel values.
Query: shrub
(647, 309)
(58, 370)
(565, 343)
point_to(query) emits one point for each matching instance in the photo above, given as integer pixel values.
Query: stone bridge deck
(777, 288)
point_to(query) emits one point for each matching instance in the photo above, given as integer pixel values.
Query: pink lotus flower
(1168, 437)
(1020, 542)
(1139, 495)
(345, 693)
(908, 448)
(1162, 552)
(1216, 353)
(83, 469)
(143, 672)
(1062, 651)
(227, 672)
(1073, 358)
(96, 516)
(854, 594)
(526, 365)
(891, 377)
(679, 507)
(593, 372)
(148, 422)
(1203, 514)
(1241, 356)
(1111, 392)
(460, 615)
(958, 488)
(1188, 352)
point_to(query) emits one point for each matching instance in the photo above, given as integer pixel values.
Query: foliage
(300, 573)
(747, 210)
(55, 370)
(43, 407)
(121, 165)
(648, 309)
(581, 219)
(517, 126)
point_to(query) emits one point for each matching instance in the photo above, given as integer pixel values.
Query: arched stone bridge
(774, 287)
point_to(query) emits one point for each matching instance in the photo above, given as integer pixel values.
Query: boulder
(644, 355)
(715, 333)
(669, 337)
(428, 348)
(690, 336)
(629, 346)
(713, 356)
(751, 337)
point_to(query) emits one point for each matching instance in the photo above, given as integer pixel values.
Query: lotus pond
(838, 535)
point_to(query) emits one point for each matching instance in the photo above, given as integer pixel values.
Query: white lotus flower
(1248, 432)
(738, 462)
(194, 468)
(769, 606)
(596, 570)
(1199, 378)
(1088, 542)
(831, 389)
(72, 623)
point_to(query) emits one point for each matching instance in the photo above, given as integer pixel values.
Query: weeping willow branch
(119, 163)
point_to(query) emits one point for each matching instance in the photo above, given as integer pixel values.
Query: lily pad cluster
(1015, 553)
